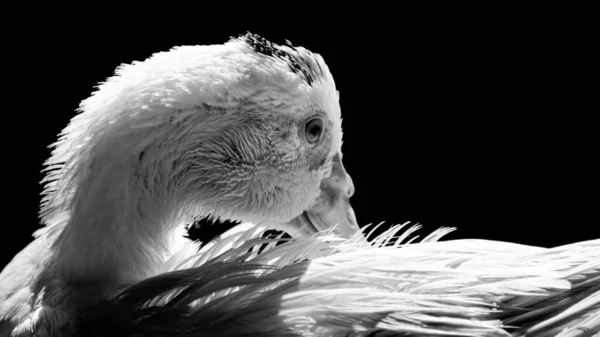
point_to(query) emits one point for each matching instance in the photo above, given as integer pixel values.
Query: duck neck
(117, 233)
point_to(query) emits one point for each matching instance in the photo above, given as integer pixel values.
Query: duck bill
(332, 208)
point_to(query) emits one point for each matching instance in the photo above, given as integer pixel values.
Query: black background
(478, 121)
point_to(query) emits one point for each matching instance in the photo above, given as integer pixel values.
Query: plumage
(322, 285)
(217, 131)
(250, 132)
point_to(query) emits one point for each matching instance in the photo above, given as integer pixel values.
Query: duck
(249, 132)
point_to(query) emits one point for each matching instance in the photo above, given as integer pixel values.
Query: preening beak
(332, 207)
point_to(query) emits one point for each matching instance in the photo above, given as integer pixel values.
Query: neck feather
(117, 232)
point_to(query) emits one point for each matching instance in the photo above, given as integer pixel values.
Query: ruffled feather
(322, 285)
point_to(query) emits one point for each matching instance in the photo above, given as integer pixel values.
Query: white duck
(250, 131)
(246, 131)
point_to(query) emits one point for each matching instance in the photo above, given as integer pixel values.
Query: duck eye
(313, 130)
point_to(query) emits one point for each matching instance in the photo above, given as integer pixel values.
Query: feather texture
(219, 132)
(322, 285)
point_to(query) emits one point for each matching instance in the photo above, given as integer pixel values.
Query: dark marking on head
(304, 65)
(213, 108)
(140, 173)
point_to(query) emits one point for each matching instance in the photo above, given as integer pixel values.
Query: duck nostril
(351, 190)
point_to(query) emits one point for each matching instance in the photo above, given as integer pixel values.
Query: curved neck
(117, 232)
(133, 184)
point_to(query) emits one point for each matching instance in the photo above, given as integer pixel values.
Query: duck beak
(332, 207)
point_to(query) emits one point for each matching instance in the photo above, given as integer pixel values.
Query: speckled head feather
(303, 64)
